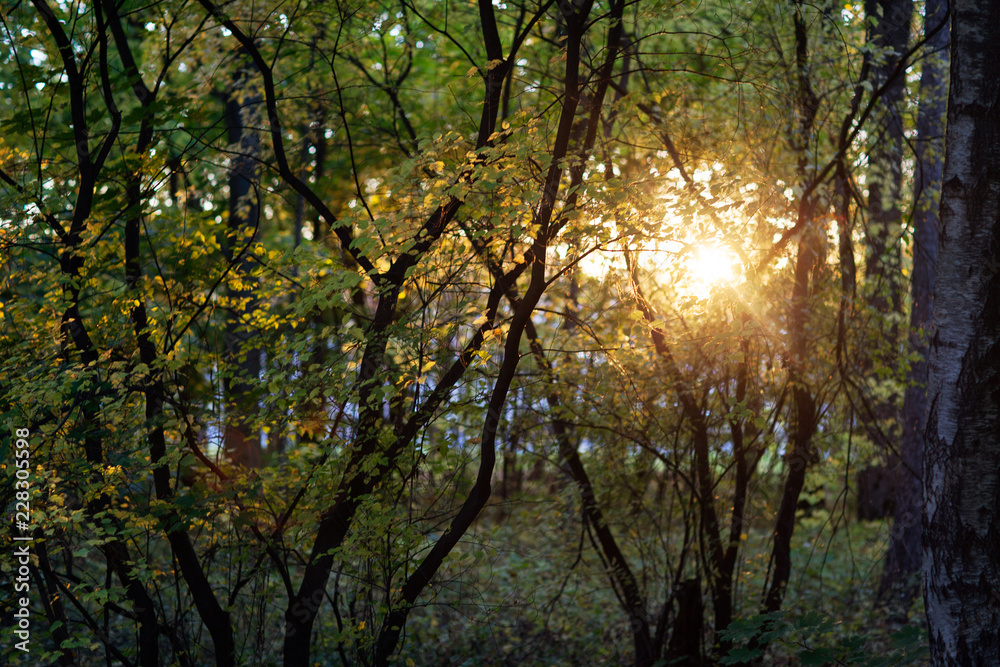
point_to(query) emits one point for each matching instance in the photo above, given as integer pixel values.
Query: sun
(697, 269)
(710, 267)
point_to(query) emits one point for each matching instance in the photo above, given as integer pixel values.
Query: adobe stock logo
(991, 266)
(303, 611)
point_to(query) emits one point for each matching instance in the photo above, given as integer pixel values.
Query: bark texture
(962, 462)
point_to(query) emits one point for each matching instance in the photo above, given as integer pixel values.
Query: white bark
(962, 464)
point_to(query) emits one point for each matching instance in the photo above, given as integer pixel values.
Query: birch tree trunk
(962, 456)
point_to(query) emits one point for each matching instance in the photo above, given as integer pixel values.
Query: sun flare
(711, 266)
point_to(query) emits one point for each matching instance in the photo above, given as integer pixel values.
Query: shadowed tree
(962, 456)
(241, 438)
(904, 556)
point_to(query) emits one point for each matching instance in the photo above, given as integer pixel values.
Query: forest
(500, 332)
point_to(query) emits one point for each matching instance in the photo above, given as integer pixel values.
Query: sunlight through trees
(418, 332)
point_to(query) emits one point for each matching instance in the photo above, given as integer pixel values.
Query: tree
(962, 451)
(889, 26)
(903, 560)
(383, 243)
(242, 439)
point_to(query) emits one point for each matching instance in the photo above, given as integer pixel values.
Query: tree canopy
(508, 332)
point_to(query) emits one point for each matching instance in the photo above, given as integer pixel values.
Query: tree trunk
(903, 558)
(800, 453)
(876, 493)
(962, 462)
(242, 439)
(685, 641)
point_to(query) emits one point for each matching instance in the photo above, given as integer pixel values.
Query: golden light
(710, 267)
